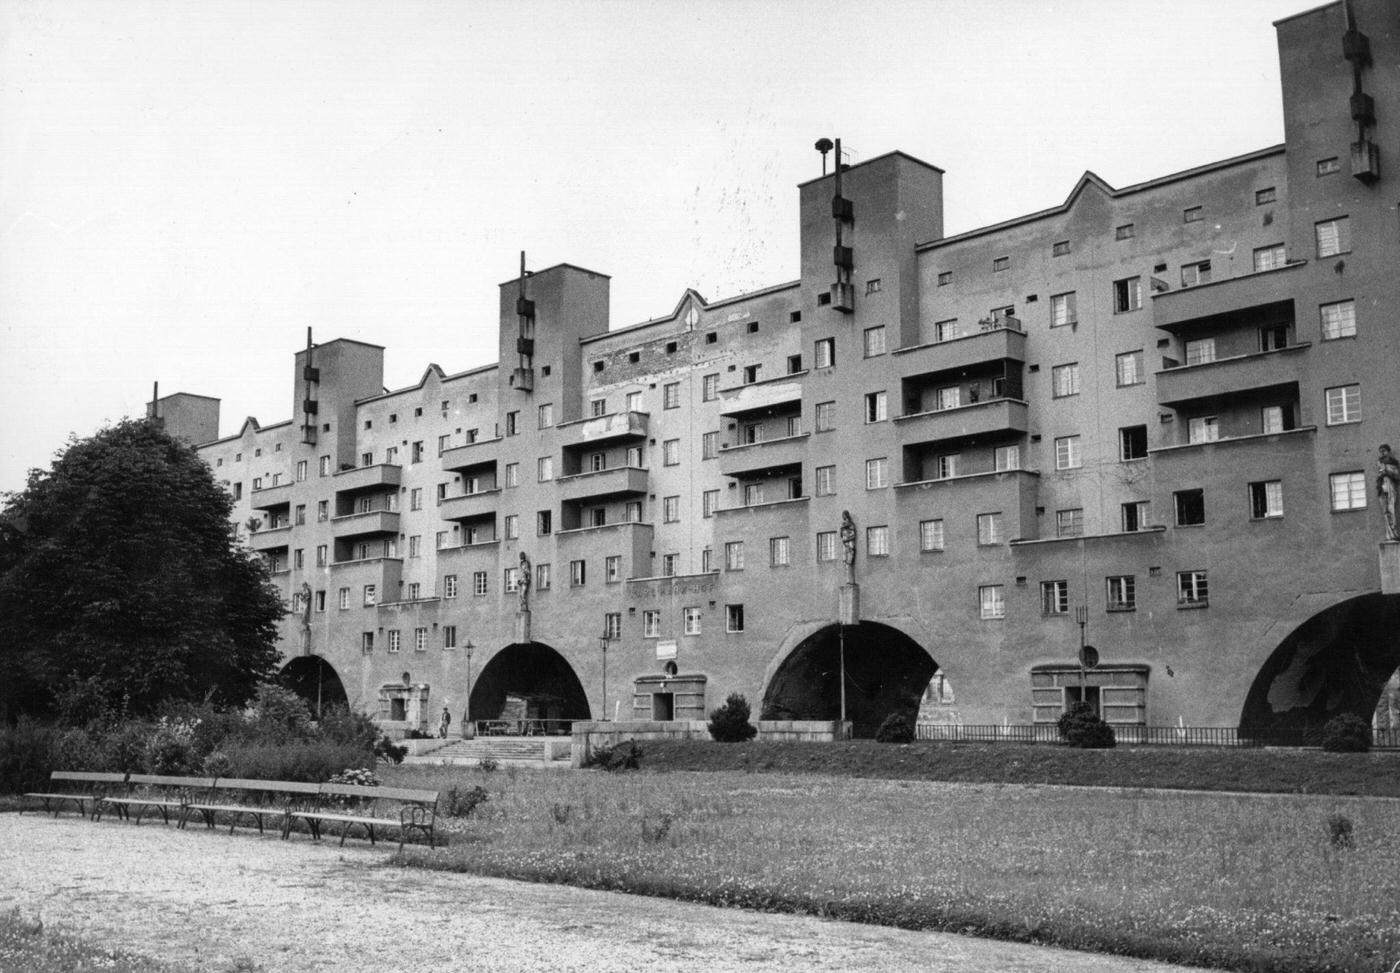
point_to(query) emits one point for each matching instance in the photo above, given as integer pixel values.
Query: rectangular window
(1054, 597)
(612, 625)
(1134, 516)
(479, 583)
(734, 556)
(1338, 320)
(824, 352)
(449, 636)
(366, 641)
(544, 523)
(1348, 491)
(322, 555)
(1122, 593)
(543, 576)
(1343, 404)
(877, 541)
(1266, 499)
(874, 342)
(1263, 196)
(1333, 236)
(945, 466)
(1203, 429)
(300, 516)
(415, 498)
(1069, 523)
(512, 526)
(301, 470)
(876, 473)
(705, 566)
(394, 640)
(1132, 442)
(1128, 368)
(1195, 273)
(826, 480)
(947, 398)
(1065, 379)
(1006, 458)
(1191, 589)
(1271, 257)
(671, 510)
(1059, 249)
(299, 558)
(544, 469)
(709, 388)
(733, 618)
(709, 500)
(512, 423)
(1124, 232)
(1000, 263)
(420, 640)
(1067, 454)
(1271, 418)
(992, 600)
(343, 600)
(443, 442)
(1190, 507)
(826, 545)
(671, 452)
(416, 451)
(1200, 351)
(651, 623)
(989, 529)
(826, 416)
(751, 432)
(691, 617)
(612, 569)
(875, 406)
(323, 511)
(671, 395)
(946, 330)
(931, 535)
(1326, 167)
(578, 573)
(321, 600)
(633, 402)
(449, 586)
(1273, 337)
(598, 407)
(369, 595)
(751, 373)
(709, 445)
(945, 277)
(1192, 214)
(1127, 294)
(778, 554)
(1063, 309)
(441, 539)
(325, 466)
(546, 415)
(753, 494)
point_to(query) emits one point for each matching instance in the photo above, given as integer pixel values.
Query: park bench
(237, 798)
(147, 792)
(410, 811)
(79, 786)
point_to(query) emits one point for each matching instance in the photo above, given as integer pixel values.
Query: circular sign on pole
(1088, 657)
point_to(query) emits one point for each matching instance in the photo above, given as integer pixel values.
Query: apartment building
(1145, 418)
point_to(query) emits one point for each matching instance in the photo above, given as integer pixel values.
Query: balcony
(1004, 339)
(483, 452)
(768, 395)
(365, 524)
(631, 539)
(994, 417)
(601, 430)
(1013, 492)
(272, 539)
(270, 498)
(468, 506)
(765, 456)
(385, 573)
(1192, 305)
(367, 478)
(600, 484)
(779, 518)
(1231, 376)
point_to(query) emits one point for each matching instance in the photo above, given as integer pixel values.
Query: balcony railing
(467, 506)
(1231, 376)
(367, 478)
(483, 452)
(965, 351)
(1195, 305)
(270, 498)
(986, 418)
(596, 484)
(780, 392)
(762, 456)
(270, 538)
(601, 430)
(367, 523)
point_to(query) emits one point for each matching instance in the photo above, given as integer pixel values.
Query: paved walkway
(211, 902)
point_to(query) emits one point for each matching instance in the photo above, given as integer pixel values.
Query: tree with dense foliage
(123, 584)
(730, 722)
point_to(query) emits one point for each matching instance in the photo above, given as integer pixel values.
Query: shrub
(25, 756)
(124, 747)
(621, 756)
(217, 764)
(357, 776)
(387, 749)
(730, 722)
(1347, 733)
(656, 832)
(280, 715)
(75, 749)
(84, 702)
(1081, 727)
(340, 724)
(1340, 831)
(461, 803)
(895, 729)
(310, 761)
(487, 764)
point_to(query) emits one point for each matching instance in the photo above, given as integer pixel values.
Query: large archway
(886, 672)
(533, 676)
(316, 681)
(1336, 662)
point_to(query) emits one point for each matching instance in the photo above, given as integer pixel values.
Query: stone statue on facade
(523, 582)
(1388, 491)
(848, 541)
(305, 605)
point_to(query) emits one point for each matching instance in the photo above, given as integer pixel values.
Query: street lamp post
(603, 641)
(1081, 615)
(468, 728)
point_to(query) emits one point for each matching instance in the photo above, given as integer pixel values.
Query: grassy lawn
(1247, 882)
(26, 945)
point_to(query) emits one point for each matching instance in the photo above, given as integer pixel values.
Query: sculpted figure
(848, 538)
(1388, 491)
(523, 582)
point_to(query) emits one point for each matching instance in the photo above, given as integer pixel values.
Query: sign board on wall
(666, 649)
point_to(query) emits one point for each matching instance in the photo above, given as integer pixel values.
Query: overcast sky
(186, 186)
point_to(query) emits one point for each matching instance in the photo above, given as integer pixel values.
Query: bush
(280, 715)
(75, 749)
(340, 724)
(621, 756)
(461, 803)
(730, 723)
(216, 764)
(357, 776)
(25, 756)
(1340, 832)
(387, 749)
(1081, 727)
(312, 762)
(895, 729)
(1347, 733)
(124, 748)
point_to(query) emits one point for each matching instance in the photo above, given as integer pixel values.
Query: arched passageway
(1336, 662)
(314, 680)
(886, 672)
(532, 677)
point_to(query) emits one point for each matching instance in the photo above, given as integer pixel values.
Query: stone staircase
(535, 751)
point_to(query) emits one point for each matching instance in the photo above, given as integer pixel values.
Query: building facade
(1146, 418)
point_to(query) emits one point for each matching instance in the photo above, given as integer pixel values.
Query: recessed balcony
(1231, 376)
(367, 478)
(470, 505)
(365, 524)
(996, 343)
(764, 456)
(384, 573)
(602, 430)
(483, 452)
(994, 417)
(770, 395)
(1194, 305)
(271, 539)
(1013, 493)
(270, 498)
(599, 484)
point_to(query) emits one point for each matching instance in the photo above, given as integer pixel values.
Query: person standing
(446, 722)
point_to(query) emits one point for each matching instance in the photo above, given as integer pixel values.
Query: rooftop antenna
(823, 146)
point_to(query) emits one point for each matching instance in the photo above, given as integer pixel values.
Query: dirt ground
(211, 902)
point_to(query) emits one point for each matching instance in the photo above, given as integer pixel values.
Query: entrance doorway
(663, 706)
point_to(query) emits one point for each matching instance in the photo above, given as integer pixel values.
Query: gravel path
(210, 902)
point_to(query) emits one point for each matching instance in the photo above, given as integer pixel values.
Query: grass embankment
(1249, 883)
(1201, 768)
